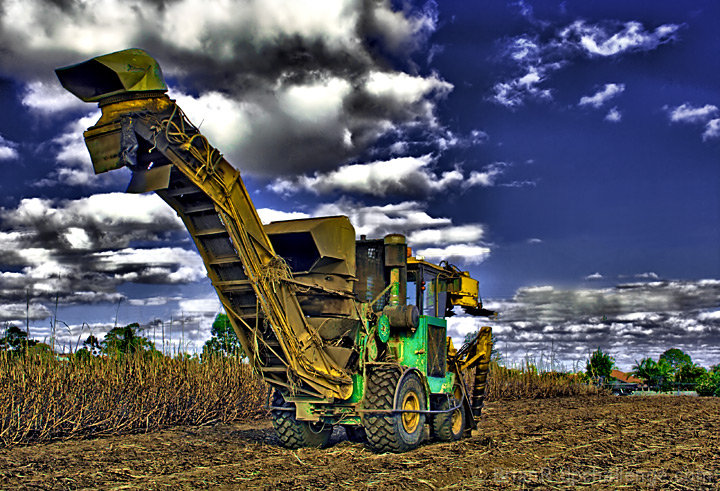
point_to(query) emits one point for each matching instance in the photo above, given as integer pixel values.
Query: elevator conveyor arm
(143, 129)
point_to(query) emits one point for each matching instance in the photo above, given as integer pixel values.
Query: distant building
(625, 377)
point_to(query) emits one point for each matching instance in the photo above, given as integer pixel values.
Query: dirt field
(636, 442)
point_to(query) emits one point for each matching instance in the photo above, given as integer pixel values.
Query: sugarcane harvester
(344, 332)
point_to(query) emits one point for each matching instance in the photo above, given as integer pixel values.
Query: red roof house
(625, 377)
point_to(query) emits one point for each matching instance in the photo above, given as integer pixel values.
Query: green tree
(676, 358)
(689, 373)
(599, 365)
(125, 340)
(665, 374)
(15, 340)
(646, 370)
(223, 340)
(709, 384)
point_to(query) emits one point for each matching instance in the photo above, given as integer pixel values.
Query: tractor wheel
(355, 434)
(293, 433)
(449, 427)
(398, 432)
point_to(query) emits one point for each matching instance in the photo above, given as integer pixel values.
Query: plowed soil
(596, 442)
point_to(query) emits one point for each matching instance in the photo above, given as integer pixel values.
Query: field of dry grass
(526, 382)
(42, 398)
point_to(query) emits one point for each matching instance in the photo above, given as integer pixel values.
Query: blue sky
(566, 153)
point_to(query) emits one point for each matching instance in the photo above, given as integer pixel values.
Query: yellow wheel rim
(456, 422)
(456, 418)
(410, 421)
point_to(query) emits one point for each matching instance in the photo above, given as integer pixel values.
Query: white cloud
(320, 101)
(597, 40)
(533, 61)
(168, 265)
(268, 215)
(16, 311)
(602, 96)
(47, 27)
(487, 176)
(613, 115)
(534, 240)
(378, 221)
(77, 238)
(402, 32)
(45, 98)
(513, 93)
(711, 315)
(712, 129)
(456, 253)
(210, 305)
(594, 276)
(405, 88)
(149, 301)
(447, 235)
(224, 121)
(109, 211)
(523, 48)
(686, 113)
(648, 275)
(8, 149)
(639, 316)
(401, 175)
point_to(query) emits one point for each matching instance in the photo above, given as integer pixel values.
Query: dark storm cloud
(81, 250)
(630, 321)
(252, 55)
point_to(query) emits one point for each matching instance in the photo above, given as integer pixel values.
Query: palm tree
(646, 370)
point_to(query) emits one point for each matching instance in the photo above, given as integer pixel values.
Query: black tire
(449, 427)
(398, 432)
(293, 433)
(355, 434)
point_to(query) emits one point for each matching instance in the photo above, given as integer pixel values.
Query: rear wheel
(292, 432)
(398, 432)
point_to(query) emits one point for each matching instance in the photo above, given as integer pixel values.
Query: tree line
(674, 369)
(124, 340)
